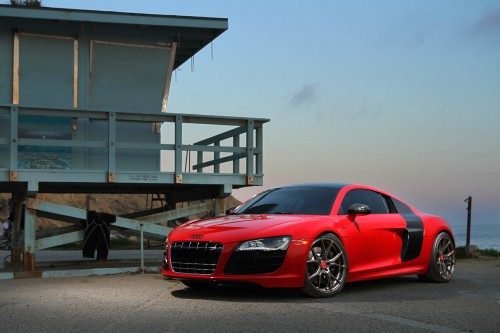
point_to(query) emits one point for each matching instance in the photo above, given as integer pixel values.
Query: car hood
(233, 228)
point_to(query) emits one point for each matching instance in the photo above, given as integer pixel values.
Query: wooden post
(18, 198)
(220, 206)
(29, 239)
(467, 243)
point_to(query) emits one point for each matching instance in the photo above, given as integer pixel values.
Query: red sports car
(312, 236)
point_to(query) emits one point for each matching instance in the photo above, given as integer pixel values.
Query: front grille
(254, 262)
(195, 257)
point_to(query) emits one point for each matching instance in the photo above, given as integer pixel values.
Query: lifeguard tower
(84, 109)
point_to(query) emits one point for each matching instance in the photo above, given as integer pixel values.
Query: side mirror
(358, 209)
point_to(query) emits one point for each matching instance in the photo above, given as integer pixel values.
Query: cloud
(488, 23)
(306, 95)
(419, 39)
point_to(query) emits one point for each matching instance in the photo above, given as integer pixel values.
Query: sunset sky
(401, 95)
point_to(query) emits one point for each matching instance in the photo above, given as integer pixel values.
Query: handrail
(131, 116)
(251, 128)
(222, 136)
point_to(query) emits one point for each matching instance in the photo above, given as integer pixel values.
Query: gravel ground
(148, 303)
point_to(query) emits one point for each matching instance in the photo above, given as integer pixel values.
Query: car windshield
(314, 200)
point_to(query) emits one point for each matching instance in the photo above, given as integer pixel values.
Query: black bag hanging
(97, 235)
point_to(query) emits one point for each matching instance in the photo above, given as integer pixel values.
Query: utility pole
(467, 243)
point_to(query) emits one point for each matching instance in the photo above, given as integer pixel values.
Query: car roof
(322, 184)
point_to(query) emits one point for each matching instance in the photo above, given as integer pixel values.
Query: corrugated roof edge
(79, 15)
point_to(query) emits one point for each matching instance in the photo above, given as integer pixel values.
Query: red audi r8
(312, 236)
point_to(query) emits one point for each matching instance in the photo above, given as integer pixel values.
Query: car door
(374, 240)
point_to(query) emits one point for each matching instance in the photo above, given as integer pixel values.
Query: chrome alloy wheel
(445, 256)
(442, 261)
(326, 267)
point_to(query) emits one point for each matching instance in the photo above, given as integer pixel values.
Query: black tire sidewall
(433, 274)
(309, 288)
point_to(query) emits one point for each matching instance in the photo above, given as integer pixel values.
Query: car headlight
(165, 255)
(265, 244)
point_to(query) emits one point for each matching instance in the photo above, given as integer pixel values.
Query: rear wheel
(326, 267)
(442, 262)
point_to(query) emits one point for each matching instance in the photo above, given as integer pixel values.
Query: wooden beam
(177, 213)
(53, 241)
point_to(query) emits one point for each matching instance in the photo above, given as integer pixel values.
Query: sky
(399, 95)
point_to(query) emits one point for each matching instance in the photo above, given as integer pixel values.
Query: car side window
(401, 207)
(374, 200)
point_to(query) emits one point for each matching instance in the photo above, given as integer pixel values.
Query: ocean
(485, 236)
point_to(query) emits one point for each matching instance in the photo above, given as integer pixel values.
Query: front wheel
(326, 267)
(442, 261)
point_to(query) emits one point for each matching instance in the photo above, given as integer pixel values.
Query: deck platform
(84, 109)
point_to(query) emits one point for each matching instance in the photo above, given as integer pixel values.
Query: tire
(199, 284)
(442, 261)
(326, 267)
